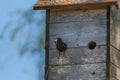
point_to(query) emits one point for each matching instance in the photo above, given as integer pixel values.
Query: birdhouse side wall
(77, 28)
(114, 43)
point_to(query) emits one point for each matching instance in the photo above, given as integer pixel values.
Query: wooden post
(115, 43)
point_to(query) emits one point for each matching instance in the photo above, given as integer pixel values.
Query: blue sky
(21, 58)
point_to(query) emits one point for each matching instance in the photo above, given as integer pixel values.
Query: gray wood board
(115, 56)
(112, 78)
(80, 55)
(78, 15)
(115, 27)
(77, 34)
(78, 72)
(115, 72)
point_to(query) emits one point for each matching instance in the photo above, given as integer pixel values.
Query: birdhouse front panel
(85, 34)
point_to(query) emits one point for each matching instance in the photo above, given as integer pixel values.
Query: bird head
(57, 40)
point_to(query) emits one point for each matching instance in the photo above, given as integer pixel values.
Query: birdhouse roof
(61, 4)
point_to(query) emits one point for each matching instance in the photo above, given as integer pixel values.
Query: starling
(60, 46)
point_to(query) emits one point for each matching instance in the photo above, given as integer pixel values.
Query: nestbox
(91, 31)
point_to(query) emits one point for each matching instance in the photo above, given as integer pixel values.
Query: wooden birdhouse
(91, 31)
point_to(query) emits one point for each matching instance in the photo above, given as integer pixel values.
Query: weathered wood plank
(78, 15)
(80, 55)
(115, 72)
(78, 72)
(77, 29)
(115, 56)
(113, 78)
(115, 27)
(77, 34)
(115, 43)
(60, 4)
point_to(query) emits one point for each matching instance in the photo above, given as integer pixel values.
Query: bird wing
(61, 46)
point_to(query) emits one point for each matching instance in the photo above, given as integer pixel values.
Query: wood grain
(115, 27)
(76, 34)
(78, 72)
(60, 4)
(77, 28)
(115, 72)
(115, 43)
(80, 55)
(78, 15)
(115, 56)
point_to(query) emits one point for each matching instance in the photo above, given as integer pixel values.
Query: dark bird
(60, 46)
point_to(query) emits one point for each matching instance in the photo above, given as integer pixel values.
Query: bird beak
(55, 40)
